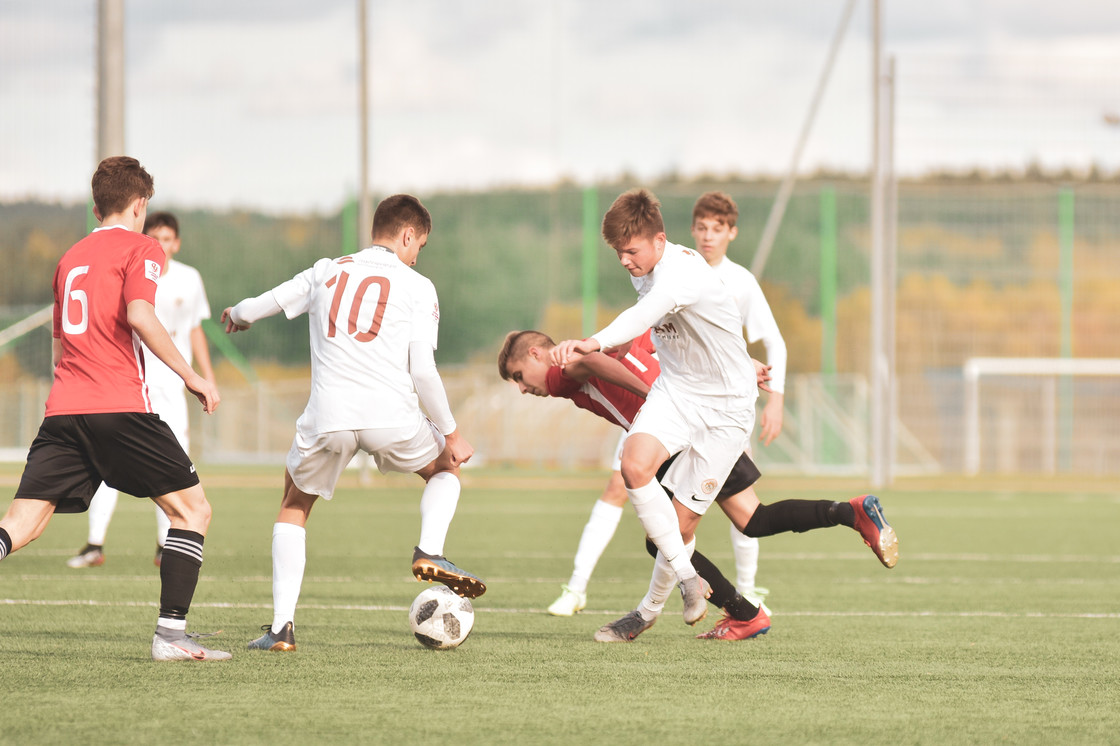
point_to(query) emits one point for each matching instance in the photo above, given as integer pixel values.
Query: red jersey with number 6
(611, 402)
(102, 364)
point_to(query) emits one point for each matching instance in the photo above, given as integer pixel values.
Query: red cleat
(735, 629)
(875, 530)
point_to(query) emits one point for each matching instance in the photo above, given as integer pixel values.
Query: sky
(253, 104)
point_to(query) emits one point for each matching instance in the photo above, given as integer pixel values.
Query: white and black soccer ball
(441, 619)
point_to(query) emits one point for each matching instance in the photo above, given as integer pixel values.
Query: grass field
(1000, 624)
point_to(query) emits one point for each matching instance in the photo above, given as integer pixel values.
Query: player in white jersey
(374, 322)
(181, 306)
(714, 218)
(701, 406)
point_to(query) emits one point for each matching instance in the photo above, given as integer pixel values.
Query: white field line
(1099, 559)
(585, 612)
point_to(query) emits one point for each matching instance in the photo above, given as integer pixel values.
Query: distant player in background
(374, 323)
(99, 425)
(714, 218)
(181, 306)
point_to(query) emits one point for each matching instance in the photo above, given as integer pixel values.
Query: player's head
(164, 227)
(634, 228)
(524, 360)
(401, 223)
(117, 183)
(714, 218)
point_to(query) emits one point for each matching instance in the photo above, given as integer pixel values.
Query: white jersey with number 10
(364, 310)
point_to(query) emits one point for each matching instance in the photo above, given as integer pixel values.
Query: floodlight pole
(110, 78)
(365, 211)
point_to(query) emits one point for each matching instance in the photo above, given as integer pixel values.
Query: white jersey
(758, 319)
(697, 331)
(363, 311)
(181, 306)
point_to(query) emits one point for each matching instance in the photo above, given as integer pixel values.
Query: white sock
(437, 508)
(177, 624)
(597, 534)
(661, 584)
(101, 509)
(162, 524)
(745, 549)
(289, 557)
(659, 519)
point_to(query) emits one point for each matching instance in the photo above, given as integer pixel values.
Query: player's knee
(636, 473)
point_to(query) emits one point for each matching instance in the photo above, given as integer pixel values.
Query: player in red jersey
(601, 384)
(99, 425)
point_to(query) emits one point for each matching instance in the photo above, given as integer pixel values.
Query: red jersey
(606, 399)
(102, 364)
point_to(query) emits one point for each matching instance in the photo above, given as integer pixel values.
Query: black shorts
(134, 452)
(743, 474)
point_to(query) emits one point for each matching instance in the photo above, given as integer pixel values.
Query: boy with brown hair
(99, 424)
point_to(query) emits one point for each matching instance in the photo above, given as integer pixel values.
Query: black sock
(5, 544)
(178, 572)
(724, 595)
(797, 516)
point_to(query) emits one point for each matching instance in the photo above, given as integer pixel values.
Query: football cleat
(873, 527)
(736, 629)
(569, 604)
(176, 645)
(757, 596)
(281, 642)
(624, 629)
(695, 592)
(89, 556)
(439, 569)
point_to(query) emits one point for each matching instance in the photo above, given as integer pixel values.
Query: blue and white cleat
(873, 527)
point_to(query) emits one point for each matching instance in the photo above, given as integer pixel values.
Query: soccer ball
(440, 619)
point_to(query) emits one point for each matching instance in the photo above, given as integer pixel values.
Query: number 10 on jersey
(339, 283)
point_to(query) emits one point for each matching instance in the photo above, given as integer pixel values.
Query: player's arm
(142, 318)
(433, 397)
(56, 352)
(629, 324)
(249, 311)
(201, 352)
(606, 368)
(776, 354)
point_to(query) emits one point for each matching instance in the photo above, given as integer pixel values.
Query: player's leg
(23, 523)
(289, 560)
(597, 534)
(190, 513)
(101, 509)
(642, 456)
(422, 450)
(863, 514)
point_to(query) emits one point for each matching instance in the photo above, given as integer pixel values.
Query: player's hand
(205, 391)
(762, 375)
(231, 325)
(772, 418)
(458, 449)
(570, 349)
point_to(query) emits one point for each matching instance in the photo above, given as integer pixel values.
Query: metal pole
(110, 78)
(878, 363)
(890, 261)
(785, 191)
(365, 208)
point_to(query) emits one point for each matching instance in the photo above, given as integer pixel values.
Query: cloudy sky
(253, 103)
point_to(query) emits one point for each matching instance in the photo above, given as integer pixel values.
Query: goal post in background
(1045, 424)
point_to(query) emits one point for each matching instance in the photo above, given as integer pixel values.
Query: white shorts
(709, 440)
(171, 406)
(316, 461)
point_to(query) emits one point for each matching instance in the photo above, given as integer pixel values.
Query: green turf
(1001, 624)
